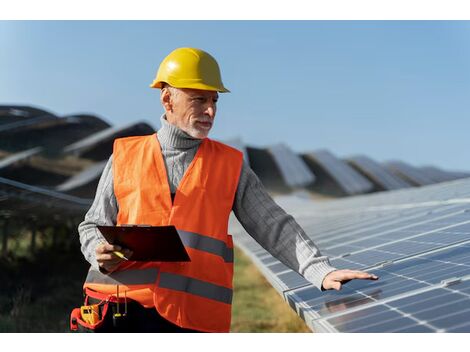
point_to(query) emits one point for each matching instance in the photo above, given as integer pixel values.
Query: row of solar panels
(68, 154)
(416, 240)
(280, 169)
(283, 170)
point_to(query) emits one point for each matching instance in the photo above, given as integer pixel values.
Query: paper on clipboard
(148, 243)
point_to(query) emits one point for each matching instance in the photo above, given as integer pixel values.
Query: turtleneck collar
(173, 137)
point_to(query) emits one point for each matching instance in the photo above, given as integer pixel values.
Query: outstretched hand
(335, 279)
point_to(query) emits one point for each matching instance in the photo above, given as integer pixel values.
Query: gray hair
(173, 91)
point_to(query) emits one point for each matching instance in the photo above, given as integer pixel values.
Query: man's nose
(210, 111)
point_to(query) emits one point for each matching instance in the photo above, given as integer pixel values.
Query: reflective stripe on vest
(196, 287)
(128, 277)
(207, 244)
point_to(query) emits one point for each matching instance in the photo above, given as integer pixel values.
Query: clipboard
(148, 243)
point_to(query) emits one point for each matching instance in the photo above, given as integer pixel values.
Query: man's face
(192, 110)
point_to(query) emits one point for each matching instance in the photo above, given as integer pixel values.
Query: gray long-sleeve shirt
(261, 217)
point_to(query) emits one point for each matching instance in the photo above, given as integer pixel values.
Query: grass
(257, 307)
(38, 292)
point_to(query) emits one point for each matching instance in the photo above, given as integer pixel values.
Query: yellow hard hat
(190, 68)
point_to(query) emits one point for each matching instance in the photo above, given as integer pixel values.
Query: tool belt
(95, 309)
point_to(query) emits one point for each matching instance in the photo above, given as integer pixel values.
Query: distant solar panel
(22, 199)
(16, 157)
(17, 113)
(378, 174)
(23, 123)
(292, 167)
(416, 240)
(409, 173)
(439, 175)
(99, 146)
(348, 179)
(89, 175)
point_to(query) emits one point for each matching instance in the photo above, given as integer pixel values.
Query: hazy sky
(387, 89)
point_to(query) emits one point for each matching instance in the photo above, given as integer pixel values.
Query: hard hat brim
(193, 85)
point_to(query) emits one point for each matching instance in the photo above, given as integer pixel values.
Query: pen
(117, 253)
(120, 255)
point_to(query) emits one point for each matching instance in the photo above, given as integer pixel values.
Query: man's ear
(165, 99)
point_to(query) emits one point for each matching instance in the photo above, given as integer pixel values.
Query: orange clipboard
(148, 243)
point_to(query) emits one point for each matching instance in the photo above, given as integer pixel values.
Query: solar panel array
(40, 180)
(416, 240)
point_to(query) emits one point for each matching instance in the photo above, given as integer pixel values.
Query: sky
(391, 90)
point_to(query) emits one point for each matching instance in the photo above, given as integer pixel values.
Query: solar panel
(379, 175)
(439, 175)
(293, 169)
(348, 179)
(89, 175)
(16, 157)
(22, 199)
(406, 290)
(21, 124)
(99, 146)
(410, 173)
(416, 240)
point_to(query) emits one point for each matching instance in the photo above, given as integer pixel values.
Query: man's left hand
(335, 279)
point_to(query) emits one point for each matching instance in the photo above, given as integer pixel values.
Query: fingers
(336, 286)
(107, 259)
(329, 284)
(344, 275)
(335, 279)
(107, 248)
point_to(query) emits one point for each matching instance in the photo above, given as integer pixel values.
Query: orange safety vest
(197, 294)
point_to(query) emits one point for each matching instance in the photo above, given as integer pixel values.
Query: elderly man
(178, 176)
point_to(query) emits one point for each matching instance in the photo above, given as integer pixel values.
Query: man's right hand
(106, 259)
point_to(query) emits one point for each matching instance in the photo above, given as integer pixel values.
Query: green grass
(257, 307)
(38, 292)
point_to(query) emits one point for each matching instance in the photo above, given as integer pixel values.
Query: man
(180, 177)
